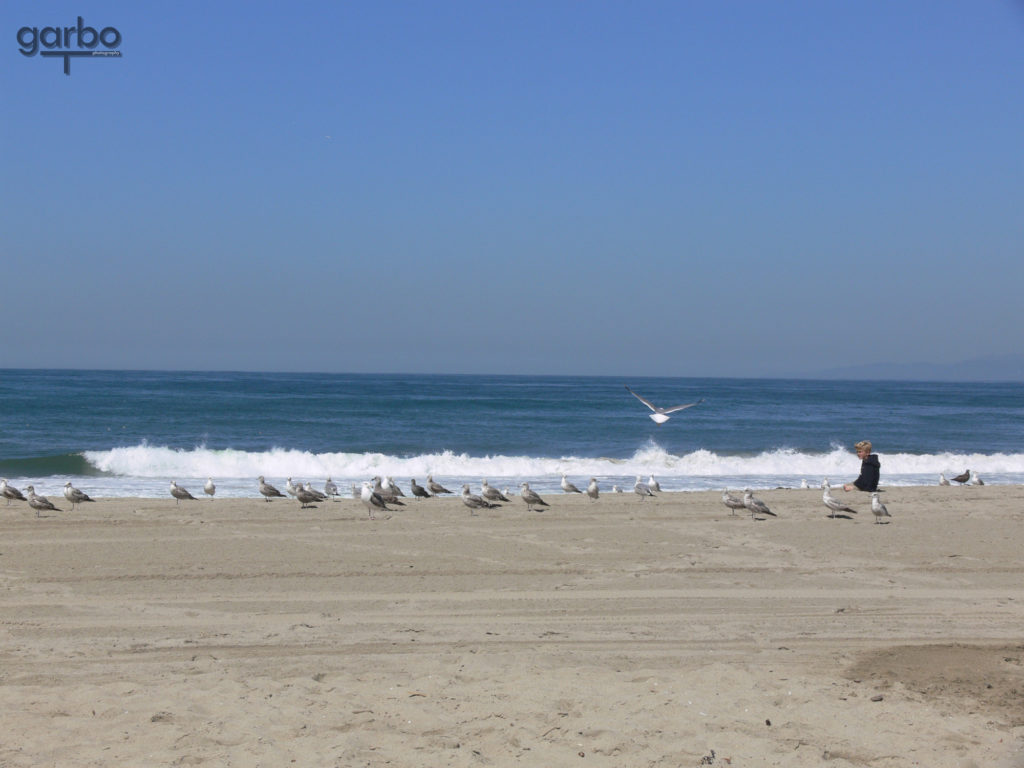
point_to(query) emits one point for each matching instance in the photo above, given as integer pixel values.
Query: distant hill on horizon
(990, 368)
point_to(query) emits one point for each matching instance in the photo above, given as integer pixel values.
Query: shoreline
(635, 632)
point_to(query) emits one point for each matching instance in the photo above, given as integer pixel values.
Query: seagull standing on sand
(641, 489)
(568, 487)
(803, 483)
(531, 498)
(975, 480)
(616, 489)
(39, 503)
(435, 488)
(372, 500)
(307, 496)
(385, 493)
(488, 493)
(209, 489)
(291, 488)
(661, 415)
(9, 492)
(473, 501)
(592, 489)
(309, 489)
(834, 504)
(268, 490)
(942, 479)
(330, 488)
(180, 493)
(392, 487)
(74, 495)
(654, 484)
(963, 478)
(732, 502)
(419, 491)
(755, 505)
(878, 508)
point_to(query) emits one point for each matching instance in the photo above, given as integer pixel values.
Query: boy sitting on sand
(870, 468)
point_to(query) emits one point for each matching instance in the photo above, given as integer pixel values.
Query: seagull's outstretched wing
(675, 408)
(644, 400)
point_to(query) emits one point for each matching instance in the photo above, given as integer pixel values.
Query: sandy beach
(665, 632)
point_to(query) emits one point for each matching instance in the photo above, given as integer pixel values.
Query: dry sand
(616, 633)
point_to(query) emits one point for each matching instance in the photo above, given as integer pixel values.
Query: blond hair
(863, 445)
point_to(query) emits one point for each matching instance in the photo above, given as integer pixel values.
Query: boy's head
(863, 448)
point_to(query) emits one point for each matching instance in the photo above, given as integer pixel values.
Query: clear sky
(644, 188)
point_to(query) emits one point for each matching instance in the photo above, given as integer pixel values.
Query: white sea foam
(143, 470)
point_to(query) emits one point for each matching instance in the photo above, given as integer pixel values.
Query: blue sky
(644, 188)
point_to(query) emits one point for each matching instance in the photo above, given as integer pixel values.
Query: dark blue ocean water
(130, 432)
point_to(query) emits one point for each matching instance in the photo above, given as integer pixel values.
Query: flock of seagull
(379, 492)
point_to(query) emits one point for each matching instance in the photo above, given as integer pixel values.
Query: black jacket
(870, 469)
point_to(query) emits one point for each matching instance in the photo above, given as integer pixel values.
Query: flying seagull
(661, 415)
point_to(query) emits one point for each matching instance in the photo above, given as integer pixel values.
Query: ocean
(129, 433)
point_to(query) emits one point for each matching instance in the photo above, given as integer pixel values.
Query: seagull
(9, 492)
(616, 489)
(834, 504)
(268, 490)
(209, 489)
(390, 485)
(641, 489)
(39, 503)
(372, 500)
(803, 483)
(488, 493)
(878, 508)
(435, 488)
(506, 491)
(755, 505)
(942, 479)
(180, 493)
(592, 490)
(74, 495)
(531, 498)
(975, 480)
(661, 415)
(307, 496)
(309, 489)
(419, 491)
(654, 484)
(473, 501)
(330, 488)
(732, 502)
(825, 483)
(568, 487)
(385, 493)
(963, 478)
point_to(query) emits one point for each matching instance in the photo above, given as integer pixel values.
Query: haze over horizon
(652, 189)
